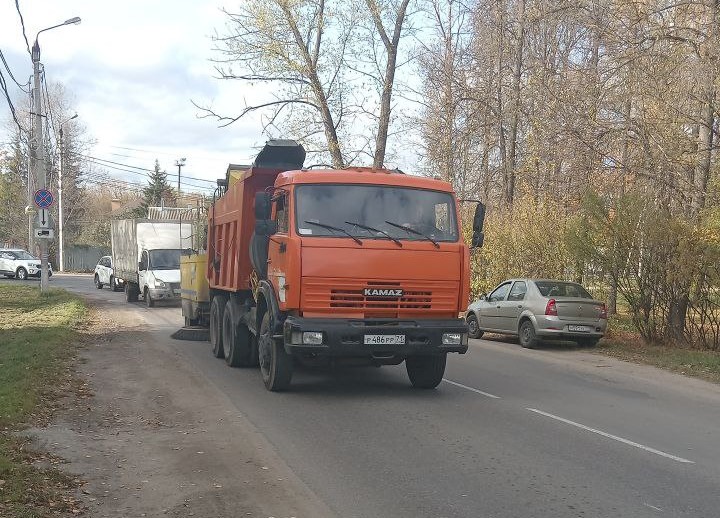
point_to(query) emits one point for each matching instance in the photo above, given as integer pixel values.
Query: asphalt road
(554, 432)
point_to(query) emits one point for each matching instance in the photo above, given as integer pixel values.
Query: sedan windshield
(164, 259)
(562, 289)
(375, 212)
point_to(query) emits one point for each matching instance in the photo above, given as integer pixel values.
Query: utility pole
(30, 182)
(61, 223)
(40, 171)
(180, 162)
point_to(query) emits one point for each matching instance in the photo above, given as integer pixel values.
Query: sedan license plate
(384, 339)
(579, 329)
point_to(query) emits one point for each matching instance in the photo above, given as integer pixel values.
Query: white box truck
(146, 255)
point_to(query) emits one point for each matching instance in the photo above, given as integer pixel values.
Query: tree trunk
(391, 48)
(515, 116)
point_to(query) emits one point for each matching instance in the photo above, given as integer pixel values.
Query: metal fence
(83, 258)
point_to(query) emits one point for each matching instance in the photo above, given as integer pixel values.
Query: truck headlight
(159, 283)
(312, 338)
(454, 338)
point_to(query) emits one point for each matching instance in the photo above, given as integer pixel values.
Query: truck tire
(236, 338)
(131, 293)
(98, 284)
(217, 311)
(149, 302)
(426, 372)
(276, 366)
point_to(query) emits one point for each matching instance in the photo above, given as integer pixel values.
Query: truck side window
(281, 214)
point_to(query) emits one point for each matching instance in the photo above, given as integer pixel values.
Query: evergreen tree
(158, 191)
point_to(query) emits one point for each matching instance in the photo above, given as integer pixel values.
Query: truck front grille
(325, 295)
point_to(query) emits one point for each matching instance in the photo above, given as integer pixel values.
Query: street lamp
(40, 173)
(60, 197)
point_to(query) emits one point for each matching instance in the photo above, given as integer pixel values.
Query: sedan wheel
(528, 338)
(474, 326)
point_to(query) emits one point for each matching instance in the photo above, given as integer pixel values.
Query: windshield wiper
(373, 229)
(330, 227)
(413, 231)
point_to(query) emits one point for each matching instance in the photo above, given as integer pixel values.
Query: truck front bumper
(346, 337)
(164, 294)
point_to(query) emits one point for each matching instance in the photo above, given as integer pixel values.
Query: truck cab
(159, 275)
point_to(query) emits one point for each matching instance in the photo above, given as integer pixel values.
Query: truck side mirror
(263, 206)
(478, 237)
(265, 227)
(479, 219)
(140, 266)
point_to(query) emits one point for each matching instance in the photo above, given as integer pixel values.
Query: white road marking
(652, 507)
(487, 394)
(610, 436)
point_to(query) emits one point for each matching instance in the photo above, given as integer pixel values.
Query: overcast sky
(133, 68)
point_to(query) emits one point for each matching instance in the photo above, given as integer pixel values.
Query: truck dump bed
(231, 220)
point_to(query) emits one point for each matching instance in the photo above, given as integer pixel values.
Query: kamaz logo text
(375, 292)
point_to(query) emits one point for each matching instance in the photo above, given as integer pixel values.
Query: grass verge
(38, 338)
(626, 344)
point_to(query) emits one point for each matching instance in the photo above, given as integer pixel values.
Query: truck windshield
(431, 214)
(164, 259)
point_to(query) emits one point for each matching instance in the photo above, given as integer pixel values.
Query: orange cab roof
(362, 175)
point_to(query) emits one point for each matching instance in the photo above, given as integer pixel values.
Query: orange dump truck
(316, 266)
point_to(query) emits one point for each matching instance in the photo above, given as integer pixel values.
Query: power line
(3, 87)
(51, 126)
(95, 161)
(26, 87)
(22, 23)
(142, 168)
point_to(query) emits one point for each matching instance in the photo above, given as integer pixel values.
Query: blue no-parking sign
(44, 198)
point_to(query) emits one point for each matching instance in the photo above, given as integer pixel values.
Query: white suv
(104, 275)
(21, 264)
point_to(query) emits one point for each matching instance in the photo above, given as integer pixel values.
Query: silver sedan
(538, 309)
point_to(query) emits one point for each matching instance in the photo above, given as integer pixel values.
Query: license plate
(579, 329)
(384, 339)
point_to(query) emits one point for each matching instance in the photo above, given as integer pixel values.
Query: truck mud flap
(194, 333)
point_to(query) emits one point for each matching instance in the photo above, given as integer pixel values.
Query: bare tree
(284, 44)
(392, 14)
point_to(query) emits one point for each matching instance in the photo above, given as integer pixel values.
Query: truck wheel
(131, 294)
(426, 372)
(98, 284)
(474, 327)
(236, 338)
(149, 302)
(276, 365)
(217, 310)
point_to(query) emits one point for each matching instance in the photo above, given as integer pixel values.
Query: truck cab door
(277, 248)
